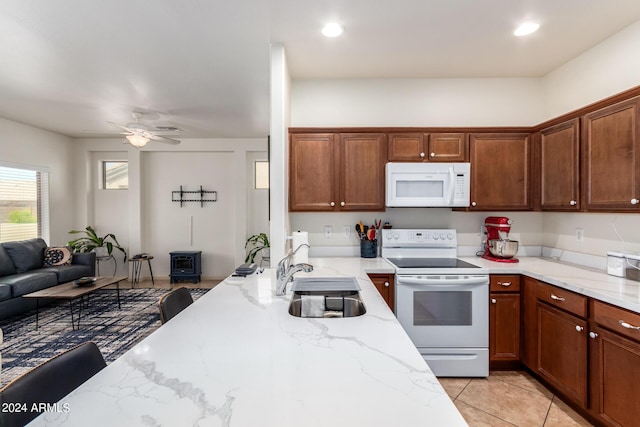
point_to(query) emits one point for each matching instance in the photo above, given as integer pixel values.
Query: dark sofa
(23, 270)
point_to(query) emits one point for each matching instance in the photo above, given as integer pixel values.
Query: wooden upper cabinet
(447, 147)
(500, 171)
(361, 182)
(427, 147)
(560, 166)
(406, 147)
(313, 171)
(336, 172)
(611, 158)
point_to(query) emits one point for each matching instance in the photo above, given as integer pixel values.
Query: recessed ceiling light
(526, 28)
(332, 30)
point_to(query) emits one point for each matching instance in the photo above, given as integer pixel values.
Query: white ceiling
(203, 65)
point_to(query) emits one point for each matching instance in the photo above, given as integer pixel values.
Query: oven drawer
(504, 283)
(563, 299)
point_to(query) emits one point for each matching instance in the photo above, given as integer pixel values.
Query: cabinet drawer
(561, 298)
(617, 319)
(504, 283)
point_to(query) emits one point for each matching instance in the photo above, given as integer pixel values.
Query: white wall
(155, 224)
(610, 67)
(279, 155)
(416, 102)
(27, 145)
(209, 228)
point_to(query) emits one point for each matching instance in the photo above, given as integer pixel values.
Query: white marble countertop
(586, 281)
(237, 358)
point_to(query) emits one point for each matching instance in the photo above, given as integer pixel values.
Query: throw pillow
(54, 256)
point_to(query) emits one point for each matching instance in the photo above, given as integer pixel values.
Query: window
(115, 175)
(24, 204)
(261, 168)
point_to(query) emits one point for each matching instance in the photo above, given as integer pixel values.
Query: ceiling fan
(139, 134)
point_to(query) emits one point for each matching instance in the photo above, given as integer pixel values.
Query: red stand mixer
(496, 244)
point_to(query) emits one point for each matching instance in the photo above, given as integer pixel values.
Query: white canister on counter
(300, 238)
(615, 263)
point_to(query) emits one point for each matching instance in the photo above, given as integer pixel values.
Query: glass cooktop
(430, 263)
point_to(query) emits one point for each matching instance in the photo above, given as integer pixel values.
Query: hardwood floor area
(509, 398)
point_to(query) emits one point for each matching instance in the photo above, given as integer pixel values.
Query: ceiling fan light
(137, 140)
(526, 28)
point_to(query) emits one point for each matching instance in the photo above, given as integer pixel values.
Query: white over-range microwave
(428, 184)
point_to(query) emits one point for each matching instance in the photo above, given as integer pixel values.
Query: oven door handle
(473, 280)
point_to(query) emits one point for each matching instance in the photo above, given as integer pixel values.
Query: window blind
(24, 204)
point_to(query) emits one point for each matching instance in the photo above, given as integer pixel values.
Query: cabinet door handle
(342, 203)
(635, 201)
(573, 203)
(628, 326)
(593, 335)
(473, 203)
(421, 154)
(433, 154)
(386, 284)
(556, 298)
(579, 328)
(332, 204)
(505, 284)
(493, 301)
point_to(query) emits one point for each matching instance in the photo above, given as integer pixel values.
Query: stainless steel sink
(325, 284)
(335, 304)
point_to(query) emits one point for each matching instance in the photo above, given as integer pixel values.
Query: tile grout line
(484, 411)
(548, 410)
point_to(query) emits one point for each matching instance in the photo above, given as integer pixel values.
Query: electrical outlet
(328, 231)
(346, 230)
(580, 235)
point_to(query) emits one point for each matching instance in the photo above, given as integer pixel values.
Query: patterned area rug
(114, 331)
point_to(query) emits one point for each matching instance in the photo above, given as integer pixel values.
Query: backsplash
(550, 234)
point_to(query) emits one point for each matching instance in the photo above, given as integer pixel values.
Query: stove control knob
(450, 236)
(396, 236)
(388, 235)
(436, 236)
(443, 236)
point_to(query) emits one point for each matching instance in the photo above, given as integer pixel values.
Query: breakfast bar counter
(236, 357)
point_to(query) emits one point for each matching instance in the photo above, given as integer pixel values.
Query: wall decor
(182, 196)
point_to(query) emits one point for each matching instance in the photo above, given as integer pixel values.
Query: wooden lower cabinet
(562, 351)
(504, 321)
(615, 378)
(385, 285)
(614, 365)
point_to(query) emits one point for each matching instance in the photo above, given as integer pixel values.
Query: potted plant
(258, 242)
(92, 242)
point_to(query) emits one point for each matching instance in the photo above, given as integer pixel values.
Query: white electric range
(441, 301)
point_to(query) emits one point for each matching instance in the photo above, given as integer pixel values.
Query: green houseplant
(91, 241)
(258, 242)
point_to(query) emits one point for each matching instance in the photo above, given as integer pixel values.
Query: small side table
(136, 267)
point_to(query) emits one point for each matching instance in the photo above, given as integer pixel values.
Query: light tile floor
(509, 398)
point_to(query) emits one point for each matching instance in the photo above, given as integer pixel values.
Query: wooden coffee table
(70, 291)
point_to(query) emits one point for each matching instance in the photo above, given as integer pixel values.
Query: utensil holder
(368, 248)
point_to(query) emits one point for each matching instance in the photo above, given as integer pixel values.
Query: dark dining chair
(173, 303)
(48, 383)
